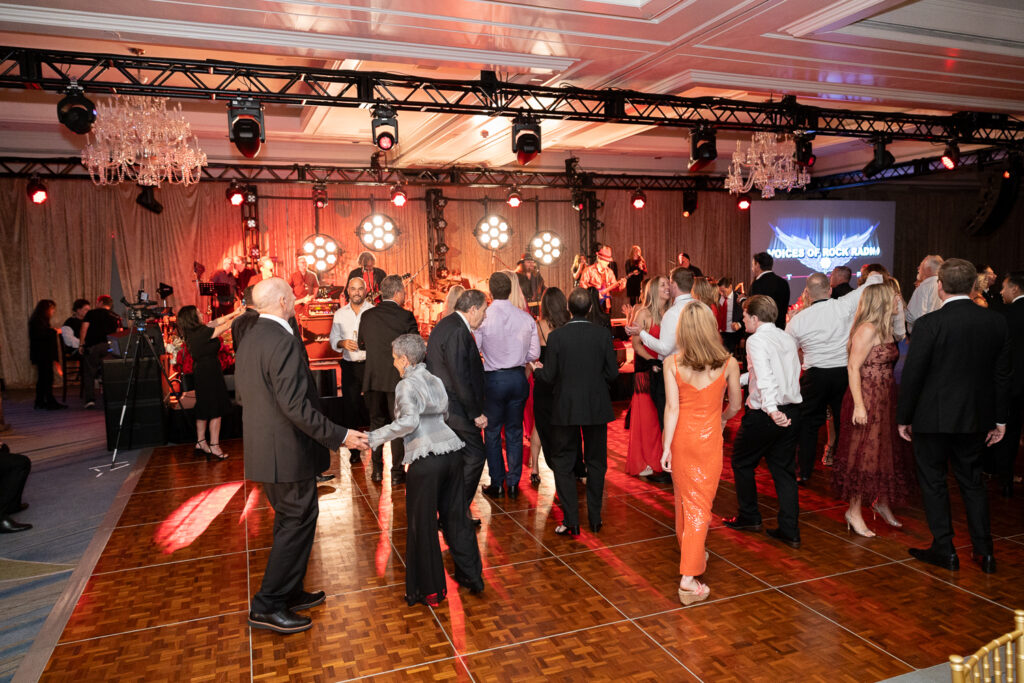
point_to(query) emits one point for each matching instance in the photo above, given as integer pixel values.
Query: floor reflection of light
(192, 517)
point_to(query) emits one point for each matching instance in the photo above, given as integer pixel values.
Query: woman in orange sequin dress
(696, 378)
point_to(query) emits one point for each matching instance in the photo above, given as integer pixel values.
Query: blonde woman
(643, 458)
(978, 290)
(871, 460)
(451, 298)
(696, 379)
(705, 292)
(516, 298)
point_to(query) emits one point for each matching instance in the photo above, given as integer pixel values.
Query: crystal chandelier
(771, 166)
(138, 139)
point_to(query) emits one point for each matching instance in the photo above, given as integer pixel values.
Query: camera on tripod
(144, 308)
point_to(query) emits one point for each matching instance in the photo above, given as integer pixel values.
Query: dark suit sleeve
(290, 382)
(1002, 379)
(410, 325)
(549, 373)
(915, 371)
(457, 354)
(611, 363)
(360, 339)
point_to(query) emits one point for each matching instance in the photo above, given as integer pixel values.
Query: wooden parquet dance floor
(168, 598)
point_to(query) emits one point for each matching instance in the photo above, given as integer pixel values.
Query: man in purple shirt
(508, 341)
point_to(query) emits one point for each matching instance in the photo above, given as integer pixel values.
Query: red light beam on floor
(192, 517)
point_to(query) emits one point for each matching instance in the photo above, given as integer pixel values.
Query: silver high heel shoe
(887, 515)
(850, 527)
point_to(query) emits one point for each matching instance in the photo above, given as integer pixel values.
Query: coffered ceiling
(929, 56)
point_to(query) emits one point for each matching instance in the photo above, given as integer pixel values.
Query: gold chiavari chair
(1001, 661)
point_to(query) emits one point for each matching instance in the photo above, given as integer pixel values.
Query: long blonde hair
(451, 298)
(704, 292)
(652, 299)
(516, 296)
(698, 339)
(875, 309)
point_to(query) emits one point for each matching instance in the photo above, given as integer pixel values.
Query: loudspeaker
(316, 335)
(144, 417)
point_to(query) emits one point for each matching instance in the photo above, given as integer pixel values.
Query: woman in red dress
(696, 378)
(643, 458)
(872, 462)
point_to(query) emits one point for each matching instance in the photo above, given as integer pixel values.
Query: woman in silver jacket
(434, 484)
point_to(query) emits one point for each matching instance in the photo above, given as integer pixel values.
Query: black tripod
(135, 347)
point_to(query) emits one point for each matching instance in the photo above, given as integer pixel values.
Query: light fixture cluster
(321, 251)
(493, 231)
(239, 194)
(377, 232)
(320, 199)
(546, 247)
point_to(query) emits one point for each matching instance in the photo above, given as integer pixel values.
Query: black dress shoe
(942, 560)
(742, 524)
(595, 527)
(802, 481)
(475, 521)
(986, 562)
(321, 478)
(377, 477)
(20, 507)
(397, 478)
(475, 586)
(354, 458)
(563, 530)
(305, 600)
(493, 491)
(9, 526)
(282, 621)
(659, 478)
(788, 540)
(512, 491)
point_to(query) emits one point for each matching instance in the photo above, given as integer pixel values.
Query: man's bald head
(818, 286)
(274, 297)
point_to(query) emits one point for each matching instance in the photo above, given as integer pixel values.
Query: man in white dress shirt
(680, 284)
(344, 336)
(771, 422)
(926, 297)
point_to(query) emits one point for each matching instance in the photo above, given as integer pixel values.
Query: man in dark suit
(1013, 310)
(840, 281)
(453, 357)
(285, 437)
(770, 285)
(952, 403)
(580, 364)
(729, 314)
(379, 327)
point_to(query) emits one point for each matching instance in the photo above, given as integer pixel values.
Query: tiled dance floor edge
(35, 660)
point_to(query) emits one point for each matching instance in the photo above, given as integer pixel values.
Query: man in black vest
(580, 364)
(953, 403)
(285, 437)
(379, 327)
(770, 285)
(453, 357)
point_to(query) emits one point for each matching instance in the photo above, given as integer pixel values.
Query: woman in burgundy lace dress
(872, 463)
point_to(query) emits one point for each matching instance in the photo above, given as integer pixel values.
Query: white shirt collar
(681, 298)
(1017, 298)
(465, 320)
(280, 321)
(958, 297)
(763, 272)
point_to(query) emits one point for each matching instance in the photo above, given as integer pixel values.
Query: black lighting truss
(212, 79)
(910, 169)
(436, 225)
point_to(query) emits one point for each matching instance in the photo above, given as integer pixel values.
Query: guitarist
(601, 277)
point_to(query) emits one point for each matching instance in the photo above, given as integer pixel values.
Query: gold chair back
(1001, 661)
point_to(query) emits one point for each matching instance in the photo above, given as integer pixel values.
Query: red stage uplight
(398, 196)
(235, 194)
(951, 157)
(515, 200)
(743, 203)
(638, 200)
(37, 191)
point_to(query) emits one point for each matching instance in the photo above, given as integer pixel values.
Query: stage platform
(168, 595)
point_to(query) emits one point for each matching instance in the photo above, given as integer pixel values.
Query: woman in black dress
(42, 351)
(212, 402)
(554, 312)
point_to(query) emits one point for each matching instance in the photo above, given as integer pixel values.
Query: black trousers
(354, 411)
(562, 459)
(295, 513)
(381, 405)
(932, 455)
(434, 490)
(14, 469)
(1006, 449)
(658, 391)
(759, 437)
(44, 384)
(820, 388)
(473, 455)
(92, 367)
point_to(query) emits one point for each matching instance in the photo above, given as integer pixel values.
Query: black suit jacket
(1014, 314)
(241, 325)
(453, 357)
(378, 327)
(842, 289)
(775, 287)
(957, 376)
(285, 435)
(579, 363)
